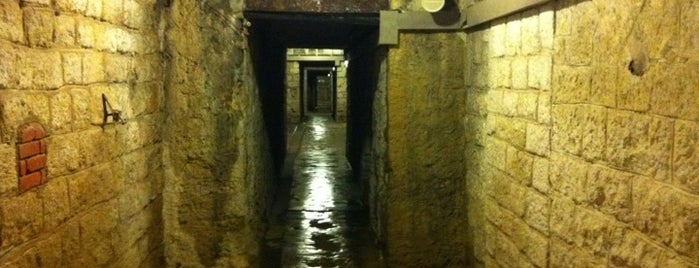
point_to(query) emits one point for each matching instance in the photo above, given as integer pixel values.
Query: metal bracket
(108, 112)
(448, 19)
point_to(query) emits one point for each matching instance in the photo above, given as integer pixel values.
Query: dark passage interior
(320, 216)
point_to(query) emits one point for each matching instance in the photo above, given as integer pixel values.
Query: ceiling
(314, 30)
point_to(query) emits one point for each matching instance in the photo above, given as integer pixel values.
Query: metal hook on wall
(108, 112)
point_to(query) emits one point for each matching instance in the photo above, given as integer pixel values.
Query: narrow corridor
(325, 224)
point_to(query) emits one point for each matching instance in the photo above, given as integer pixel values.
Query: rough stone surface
(604, 171)
(217, 162)
(421, 108)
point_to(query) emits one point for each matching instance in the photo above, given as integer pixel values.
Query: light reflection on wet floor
(325, 223)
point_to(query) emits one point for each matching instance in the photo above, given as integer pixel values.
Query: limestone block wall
(508, 83)
(422, 188)
(579, 130)
(74, 193)
(217, 160)
(580, 146)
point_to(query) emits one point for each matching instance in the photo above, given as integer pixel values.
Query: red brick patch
(22, 167)
(30, 181)
(36, 163)
(31, 156)
(29, 149)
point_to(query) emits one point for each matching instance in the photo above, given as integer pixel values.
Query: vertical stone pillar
(341, 96)
(293, 93)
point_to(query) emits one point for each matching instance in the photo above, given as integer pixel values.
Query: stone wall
(423, 186)
(581, 144)
(218, 165)
(508, 83)
(74, 193)
(341, 94)
(293, 93)
(579, 129)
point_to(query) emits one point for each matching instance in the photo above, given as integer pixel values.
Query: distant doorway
(319, 90)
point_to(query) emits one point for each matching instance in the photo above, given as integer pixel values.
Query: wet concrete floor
(325, 224)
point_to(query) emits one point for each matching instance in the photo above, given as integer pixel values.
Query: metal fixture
(108, 112)
(448, 18)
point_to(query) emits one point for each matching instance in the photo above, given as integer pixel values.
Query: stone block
(93, 68)
(688, 36)
(86, 32)
(676, 97)
(117, 67)
(603, 87)
(72, 68)
(11, 22)
(507, 192)
(533, 244)
(499, 73)
(507, 254)
(538, 139)
(497, 38)
(543, 111)
(76, 6)
(519, 165)
(94, 9)
(513, 39)
(65, 155)
(579, 130)
(634, 250)
(568, 177)
(54, 195)
(519, 73)
(22, 219)
(98, 234)
(596, 232)
(579, 45)
(8, 169)
(594, 130)
(65, 32)
(39, 24)
(82, 110)
(609, 191)
(640, 144)
(526, 106)
(146, 99)
(494, 101)
(566, 255)
(18, 108)
(546, 26)
(112, 11)
(563, 222)
(510, 103)
(9, 77)
(685, 162)
(41, 70)
(540, 175)
(539, 72)
(531, 36)
(572, 84)
(667, 216)
(634, 93)
(114, 39)
(537, 211)
(507, 129)
(61, 112)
